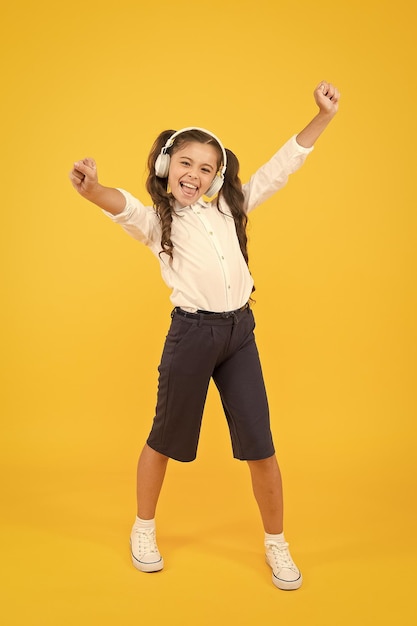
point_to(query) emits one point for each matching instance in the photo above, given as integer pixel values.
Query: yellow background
(85, 312)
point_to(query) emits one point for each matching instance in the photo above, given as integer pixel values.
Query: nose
(192, 173)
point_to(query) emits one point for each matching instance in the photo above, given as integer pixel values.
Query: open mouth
(188, 189)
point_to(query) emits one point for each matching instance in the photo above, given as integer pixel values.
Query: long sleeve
(274, 174)
(138, 220)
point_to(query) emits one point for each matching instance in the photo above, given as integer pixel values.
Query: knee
(264, 465)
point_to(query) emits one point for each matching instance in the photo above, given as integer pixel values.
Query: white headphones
(163, 160)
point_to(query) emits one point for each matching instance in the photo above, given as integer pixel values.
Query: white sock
(276, 538)
(145, 524)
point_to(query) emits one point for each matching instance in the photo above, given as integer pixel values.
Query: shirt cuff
(126, 211)
(301, 148)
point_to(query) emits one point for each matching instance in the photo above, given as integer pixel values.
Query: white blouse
(208, 270)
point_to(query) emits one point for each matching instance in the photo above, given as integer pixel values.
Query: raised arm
(84, 179)
(327, 99)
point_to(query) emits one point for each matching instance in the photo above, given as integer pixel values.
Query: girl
(202, 250)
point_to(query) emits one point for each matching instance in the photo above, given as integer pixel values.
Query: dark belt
(210, 315)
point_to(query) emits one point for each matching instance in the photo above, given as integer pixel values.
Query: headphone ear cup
(215, 186)
(162, 165)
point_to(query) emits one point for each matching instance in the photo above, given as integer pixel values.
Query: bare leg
(267, 488)
(150, 477)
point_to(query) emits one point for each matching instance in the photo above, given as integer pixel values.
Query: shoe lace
(281, 554)
(146, 540)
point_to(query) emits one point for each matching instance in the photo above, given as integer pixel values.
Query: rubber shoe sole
(148, 568)
(285, 585)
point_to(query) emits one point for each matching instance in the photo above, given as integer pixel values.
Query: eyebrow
(202, 164)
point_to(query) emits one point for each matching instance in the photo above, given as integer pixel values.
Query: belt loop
(200, 319)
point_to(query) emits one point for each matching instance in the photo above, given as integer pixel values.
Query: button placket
(218, 249)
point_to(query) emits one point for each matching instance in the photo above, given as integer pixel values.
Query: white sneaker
(285, 574)
(144, 551)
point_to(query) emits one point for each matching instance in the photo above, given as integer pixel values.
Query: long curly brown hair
(163, 201)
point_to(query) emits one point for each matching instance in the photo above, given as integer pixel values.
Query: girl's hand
(327, 98)
(83, 177)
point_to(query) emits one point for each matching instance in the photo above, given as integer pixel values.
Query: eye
(206, 170)
(185, 163)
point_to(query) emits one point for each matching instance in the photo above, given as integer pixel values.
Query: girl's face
(191, 171)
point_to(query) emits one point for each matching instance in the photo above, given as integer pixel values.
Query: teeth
(189, 186)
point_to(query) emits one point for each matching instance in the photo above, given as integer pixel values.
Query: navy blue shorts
(199, 347)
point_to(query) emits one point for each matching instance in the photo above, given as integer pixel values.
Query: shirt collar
(200, 203)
